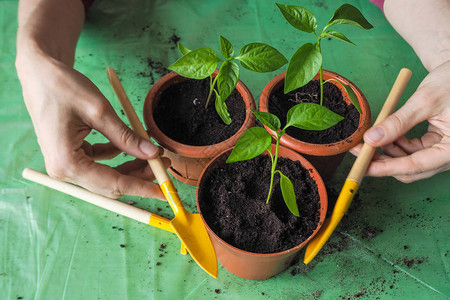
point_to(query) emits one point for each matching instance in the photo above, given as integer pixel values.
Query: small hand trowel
(188, 226)
(357, 172)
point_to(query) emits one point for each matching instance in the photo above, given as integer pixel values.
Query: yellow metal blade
(163, 223)
(191, 231)
(343, 202)
(194, 236)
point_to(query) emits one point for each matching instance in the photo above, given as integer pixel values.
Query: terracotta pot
(256, 266)
(189, 161)
(325, 157)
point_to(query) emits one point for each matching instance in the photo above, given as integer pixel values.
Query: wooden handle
(80, 193)
(365, 156)
(155, 164)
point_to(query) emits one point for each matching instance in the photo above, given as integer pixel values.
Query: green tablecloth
(392, 244)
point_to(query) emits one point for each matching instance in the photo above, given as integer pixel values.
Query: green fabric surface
(393, 243)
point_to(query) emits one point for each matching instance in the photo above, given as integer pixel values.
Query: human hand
(65, 106)
(409, 160)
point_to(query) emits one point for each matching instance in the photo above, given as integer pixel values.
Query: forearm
(48, 28)
(425, 25)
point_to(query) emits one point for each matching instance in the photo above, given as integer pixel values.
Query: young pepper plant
(307, 60)
(202, 62)
(256, 140)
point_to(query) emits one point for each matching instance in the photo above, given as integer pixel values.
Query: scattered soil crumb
(302, 269)
(360, 294)
(370, 232)
(317, 294)
(409, 262)
(174, 39)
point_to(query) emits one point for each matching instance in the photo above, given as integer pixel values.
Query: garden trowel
(189, 227)
(357, 172)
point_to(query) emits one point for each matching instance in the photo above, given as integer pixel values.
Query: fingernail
(375, 134)
(148, 148)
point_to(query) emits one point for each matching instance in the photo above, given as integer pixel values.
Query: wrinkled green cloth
(393, 243)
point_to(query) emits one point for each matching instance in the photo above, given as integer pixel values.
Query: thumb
(112, 127)
(396, 125)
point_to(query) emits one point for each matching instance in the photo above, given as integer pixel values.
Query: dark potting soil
(181, 114)
(233, 203)
(280, 103)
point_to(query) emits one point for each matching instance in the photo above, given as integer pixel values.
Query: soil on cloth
(280, 103)
(233, 204)
(181, 114)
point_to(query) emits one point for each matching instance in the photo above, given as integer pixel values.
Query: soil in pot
(233, 203)
(280, 103)
(181, 114)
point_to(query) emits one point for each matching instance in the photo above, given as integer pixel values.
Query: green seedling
(202, 62)
(307, 60)
(256, 140)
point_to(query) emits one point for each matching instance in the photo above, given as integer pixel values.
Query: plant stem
(211, 89)
(274, 165)
(321, 75)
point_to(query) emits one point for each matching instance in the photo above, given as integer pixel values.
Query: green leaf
(251, 144)
(222, 110)
(183, 50)
(197, 64)
(287, 190)
(311, 116)
(348, 14)
(303, 66)
(259, 57)
(299, 17)
(351, 94)
(335, 35)
(227, 78)
(268, 119)
(226, 47)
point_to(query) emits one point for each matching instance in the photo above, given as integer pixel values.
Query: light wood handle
(155, 164)
(365, 156)
(85, 195)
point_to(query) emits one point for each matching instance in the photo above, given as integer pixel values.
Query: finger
(100, 151)
(424, 161)
(376, 156)
(398, 123)
(393, 150)
(103, 118)
(140, 168)
(106, 181)
(416, 177)
(414, 145)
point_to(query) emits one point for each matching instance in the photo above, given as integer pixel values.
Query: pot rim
(206, 151)
(323, 198)
(322, 149)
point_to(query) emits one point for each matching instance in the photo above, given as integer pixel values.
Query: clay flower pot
(257, 266)
(325, 157)
(189, 161)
